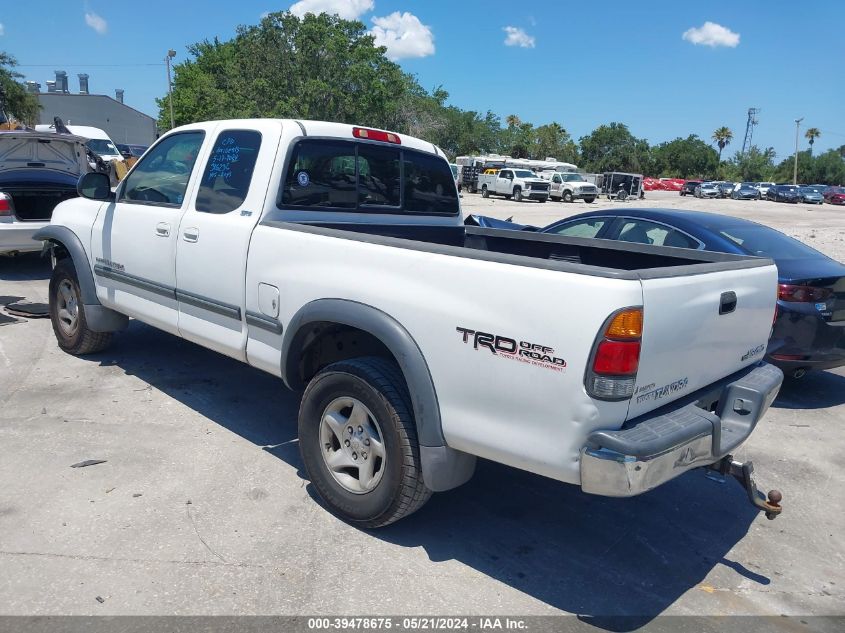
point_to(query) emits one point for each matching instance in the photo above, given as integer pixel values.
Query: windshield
(572, 177)
(766, 242)
(524, 173)
(808, 190)
(747, 185)
(836, 190)
(102, 147)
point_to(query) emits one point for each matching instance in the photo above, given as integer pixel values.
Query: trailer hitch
(743, 473)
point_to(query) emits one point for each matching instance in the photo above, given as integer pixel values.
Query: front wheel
(484, 192)
(67, 314)
(358, 440)
(567, 196)
(517, 194)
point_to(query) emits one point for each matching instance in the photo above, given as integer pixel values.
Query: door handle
(162, 229)
(191, 234)
(727, 302)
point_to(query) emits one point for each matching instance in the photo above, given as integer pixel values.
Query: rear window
(225, 182)
(367, 177)
(766, 242)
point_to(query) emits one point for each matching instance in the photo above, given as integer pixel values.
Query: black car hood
(809, 268)
(29, 178)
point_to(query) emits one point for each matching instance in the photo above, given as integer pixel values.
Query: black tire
(517, 194)
(77, 338)
(484, 192)
(567, 196)
(682, 192)
(380, 386)
(542, 199)
(622, 195)
(589, 200)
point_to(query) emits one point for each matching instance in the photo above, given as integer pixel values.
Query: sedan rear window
(765, 242)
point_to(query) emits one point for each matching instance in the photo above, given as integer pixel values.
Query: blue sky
(577, 63)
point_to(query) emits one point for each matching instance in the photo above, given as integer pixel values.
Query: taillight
(5, 204)
(376, 135)
(803, 294)
(616, 356)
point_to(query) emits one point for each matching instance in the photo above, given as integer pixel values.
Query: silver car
(708, 190)
(810, 195)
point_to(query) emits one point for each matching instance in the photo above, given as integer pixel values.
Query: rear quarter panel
(497, 406)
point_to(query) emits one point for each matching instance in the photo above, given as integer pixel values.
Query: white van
(98, 141)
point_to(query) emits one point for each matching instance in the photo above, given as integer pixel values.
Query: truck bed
(602, 258)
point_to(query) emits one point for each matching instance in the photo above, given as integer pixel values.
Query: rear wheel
(358, 440)
(567, 196)
(67, 314)
(484, 192)
(517, 194)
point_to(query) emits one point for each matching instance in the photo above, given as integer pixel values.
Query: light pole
(170, 55)
(795, 168)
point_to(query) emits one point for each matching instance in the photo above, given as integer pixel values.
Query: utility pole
(795, 169)
(170, 55)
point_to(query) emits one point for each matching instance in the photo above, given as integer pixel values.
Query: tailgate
(693, 335)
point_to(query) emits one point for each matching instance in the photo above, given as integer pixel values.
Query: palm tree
(512, 120)
(811, 135)
(723, 137)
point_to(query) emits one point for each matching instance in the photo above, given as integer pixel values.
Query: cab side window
(161, 176)
(645, 232)
(582, 228)
(225, 182)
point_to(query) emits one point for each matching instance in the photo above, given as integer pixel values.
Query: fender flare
(443, 467)
(98, 318)
(67, 238)
(394, 337)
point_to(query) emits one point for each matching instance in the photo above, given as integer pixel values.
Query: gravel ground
(820, 226)
(202, 506)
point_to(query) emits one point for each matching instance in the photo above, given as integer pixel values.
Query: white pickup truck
(335, 258)
(520, 184)
(570, 186)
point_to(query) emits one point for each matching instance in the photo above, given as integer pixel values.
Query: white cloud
(404, 36)
(96, 22)
(518, 37)
(346, 9)
(2, 29)
(711, 34)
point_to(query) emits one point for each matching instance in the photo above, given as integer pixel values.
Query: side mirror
(95, 186)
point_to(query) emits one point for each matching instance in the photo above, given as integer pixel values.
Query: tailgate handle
(727, 303)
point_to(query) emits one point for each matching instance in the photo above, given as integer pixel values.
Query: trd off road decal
(506, 347)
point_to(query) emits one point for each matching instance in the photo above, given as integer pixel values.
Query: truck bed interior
(604, 257)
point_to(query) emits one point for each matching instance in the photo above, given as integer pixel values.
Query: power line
(85, 65)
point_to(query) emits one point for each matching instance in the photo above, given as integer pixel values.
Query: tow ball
(743, 473)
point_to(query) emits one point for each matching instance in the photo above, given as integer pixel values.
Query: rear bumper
(665, 443)
(18, 236)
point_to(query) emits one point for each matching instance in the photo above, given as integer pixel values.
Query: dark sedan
(746, 191)
(726, 189)
(809, 326)
(834, 195)
(783, 193)
(688, 188)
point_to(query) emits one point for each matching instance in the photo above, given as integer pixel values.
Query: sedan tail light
(803, 294)
(5, 204)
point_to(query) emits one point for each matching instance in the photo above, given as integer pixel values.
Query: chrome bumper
(698, 430)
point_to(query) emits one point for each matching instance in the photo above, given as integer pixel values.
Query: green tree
(755, 165)
(685, 158)
(829, 168)
(552, 140)
(723, 137)
(17, 102)
(811, 135)
(613, 148)
(316, 67)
